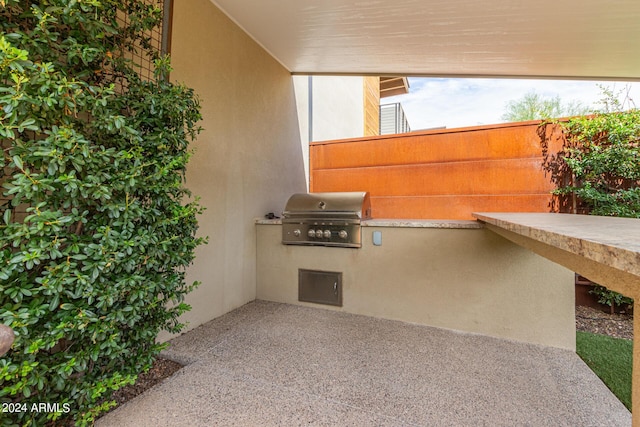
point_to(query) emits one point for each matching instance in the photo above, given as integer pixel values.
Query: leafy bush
(97, 226)
(600, 167)
(602, 153)
(610, 298)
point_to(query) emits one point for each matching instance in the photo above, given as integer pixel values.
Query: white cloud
(436, 102)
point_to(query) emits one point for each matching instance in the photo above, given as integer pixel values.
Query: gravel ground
(587, 319)
(161, 369)
(615, 325)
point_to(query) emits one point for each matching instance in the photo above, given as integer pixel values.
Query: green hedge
(97, 226)
(598, 171)
(602, 155)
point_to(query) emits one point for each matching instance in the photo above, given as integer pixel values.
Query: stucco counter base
(448, 274)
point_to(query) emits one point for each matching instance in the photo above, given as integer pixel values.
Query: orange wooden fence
(440, 174)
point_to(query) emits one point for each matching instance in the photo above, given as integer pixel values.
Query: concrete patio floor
(269, 364)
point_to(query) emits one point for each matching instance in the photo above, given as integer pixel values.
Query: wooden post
(635, 373)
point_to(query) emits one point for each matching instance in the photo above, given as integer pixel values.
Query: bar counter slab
(603, 249)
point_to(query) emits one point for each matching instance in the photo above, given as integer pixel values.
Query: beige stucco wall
(247, 161)
(463, 279)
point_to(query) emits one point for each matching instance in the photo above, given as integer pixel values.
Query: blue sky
(436, 102)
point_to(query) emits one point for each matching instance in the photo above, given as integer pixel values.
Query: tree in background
(613, 101)
(533, 106)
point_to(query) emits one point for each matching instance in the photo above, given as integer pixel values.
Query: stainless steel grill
(325, 219)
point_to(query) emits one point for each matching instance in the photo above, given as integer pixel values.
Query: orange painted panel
(441, 174)
(478, 177)
(456, 207)
(427, 147)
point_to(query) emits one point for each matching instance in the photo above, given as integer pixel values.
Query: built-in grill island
(416, 271)
(325, 219)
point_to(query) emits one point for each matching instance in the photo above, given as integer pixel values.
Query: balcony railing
(393, 119)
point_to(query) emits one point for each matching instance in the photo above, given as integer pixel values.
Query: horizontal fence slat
(479, 177)
(456, 207)
(485, 144)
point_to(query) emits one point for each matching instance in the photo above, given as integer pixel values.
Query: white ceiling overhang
(591, 39)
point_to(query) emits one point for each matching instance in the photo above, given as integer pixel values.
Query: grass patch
(611, 359)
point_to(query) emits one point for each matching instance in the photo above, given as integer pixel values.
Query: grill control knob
(342, 234)
(319, 234)
(311, 233)
(296, 233)
(327, 234)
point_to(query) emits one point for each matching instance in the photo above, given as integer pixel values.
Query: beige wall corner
(462, 279)
(247, 161)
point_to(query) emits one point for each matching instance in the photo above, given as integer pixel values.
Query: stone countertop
(608, 240)
(262, 221)
(421, 223)
(401, 223)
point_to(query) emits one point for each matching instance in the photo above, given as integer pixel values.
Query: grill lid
(343, 204)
